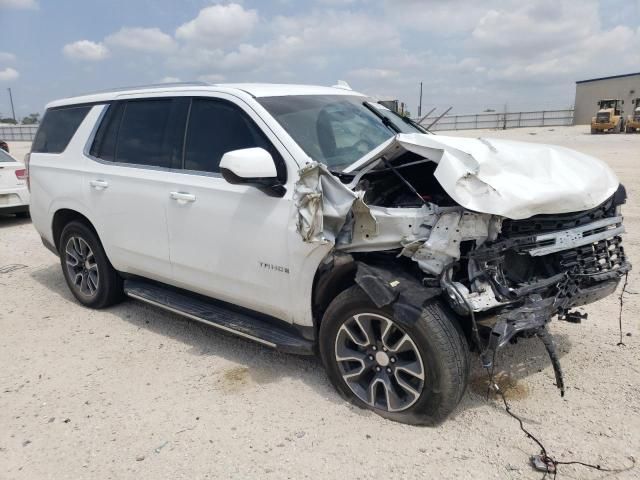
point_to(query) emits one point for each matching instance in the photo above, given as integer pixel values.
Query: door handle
(183, 197)
(99, 184)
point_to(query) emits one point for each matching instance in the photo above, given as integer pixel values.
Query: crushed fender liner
(393, 286)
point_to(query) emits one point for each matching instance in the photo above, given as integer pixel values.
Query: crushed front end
(472, 221)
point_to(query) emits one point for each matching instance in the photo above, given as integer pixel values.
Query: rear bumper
(14, 209)
(14, 200)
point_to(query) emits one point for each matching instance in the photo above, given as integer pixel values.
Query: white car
(14, 194)
(313, 220)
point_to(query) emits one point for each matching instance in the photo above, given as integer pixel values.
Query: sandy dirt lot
(133, 392)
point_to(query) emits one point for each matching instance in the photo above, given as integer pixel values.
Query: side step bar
(217, 314)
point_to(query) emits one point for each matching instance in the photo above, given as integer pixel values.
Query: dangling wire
(624, 288)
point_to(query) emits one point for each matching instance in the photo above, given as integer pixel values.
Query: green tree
(31, 119)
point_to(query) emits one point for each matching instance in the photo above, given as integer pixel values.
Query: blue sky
(469, 54)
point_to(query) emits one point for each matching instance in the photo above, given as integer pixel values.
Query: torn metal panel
(443, 245)
(507, 178)
(322, 202)
(380, 228)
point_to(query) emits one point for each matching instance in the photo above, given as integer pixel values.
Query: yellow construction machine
(633, 120)
(609, 117)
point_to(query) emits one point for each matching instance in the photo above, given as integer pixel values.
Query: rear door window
(57, 128)
(104, 143)
(143, 132)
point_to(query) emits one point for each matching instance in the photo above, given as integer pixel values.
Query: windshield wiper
(385, 120)
(412, 123)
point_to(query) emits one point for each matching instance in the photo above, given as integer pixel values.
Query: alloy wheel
(81, 266)
(379, 362)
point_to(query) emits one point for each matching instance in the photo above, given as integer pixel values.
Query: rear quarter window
(5, 157)
(57, 128)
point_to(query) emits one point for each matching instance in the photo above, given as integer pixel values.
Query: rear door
(126, 183)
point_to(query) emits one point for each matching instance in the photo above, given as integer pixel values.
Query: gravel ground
(133, 392)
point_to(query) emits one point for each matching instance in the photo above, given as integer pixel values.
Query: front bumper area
(545, 266)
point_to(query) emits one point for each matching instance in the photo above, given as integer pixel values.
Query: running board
(211, 312)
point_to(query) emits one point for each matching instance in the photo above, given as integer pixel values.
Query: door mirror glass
(254, 167)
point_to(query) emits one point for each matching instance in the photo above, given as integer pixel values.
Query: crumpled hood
(508, 178)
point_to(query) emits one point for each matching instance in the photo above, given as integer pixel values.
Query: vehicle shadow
(258, 364)
(514, 363)
(10, 220)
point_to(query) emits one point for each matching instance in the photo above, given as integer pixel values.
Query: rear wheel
(411, 372)
(89, 274)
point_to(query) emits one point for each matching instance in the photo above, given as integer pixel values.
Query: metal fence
(17, 133)
(544, 118)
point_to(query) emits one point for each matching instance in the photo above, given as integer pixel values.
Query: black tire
(440, 342)
(107, 282)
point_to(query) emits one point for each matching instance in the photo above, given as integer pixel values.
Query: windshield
(5, 157)
(336, 130)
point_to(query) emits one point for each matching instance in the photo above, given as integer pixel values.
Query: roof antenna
(342, 84)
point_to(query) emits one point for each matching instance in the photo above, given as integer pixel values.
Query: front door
(228, 241)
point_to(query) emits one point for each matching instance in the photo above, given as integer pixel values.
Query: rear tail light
(27, 157)
(21, 174)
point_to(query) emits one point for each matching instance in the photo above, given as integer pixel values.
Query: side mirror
(253, 167)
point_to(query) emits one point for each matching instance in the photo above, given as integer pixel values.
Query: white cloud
(447, 18)
(141, 39)
(6, 57)
(532, 28)
(8, 74)
(19, 4)
(219, 25)
(86, 50)
(327, 29)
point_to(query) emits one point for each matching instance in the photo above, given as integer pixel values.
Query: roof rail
(149, 87)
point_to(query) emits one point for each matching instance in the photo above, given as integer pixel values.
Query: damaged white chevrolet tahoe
(311, 219)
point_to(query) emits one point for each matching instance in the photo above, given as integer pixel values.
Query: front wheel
(411, 372)
(89, 274)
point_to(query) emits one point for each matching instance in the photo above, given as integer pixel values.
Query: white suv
(314, 220)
